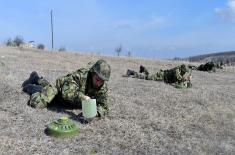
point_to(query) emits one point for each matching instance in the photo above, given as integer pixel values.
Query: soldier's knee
(37, 102)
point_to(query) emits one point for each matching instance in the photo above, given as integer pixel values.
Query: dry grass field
(146, 117)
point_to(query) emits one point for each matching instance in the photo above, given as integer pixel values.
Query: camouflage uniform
(72, 88)
(174, 75)
(209, 66)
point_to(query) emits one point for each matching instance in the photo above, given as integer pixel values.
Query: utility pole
(52, 42)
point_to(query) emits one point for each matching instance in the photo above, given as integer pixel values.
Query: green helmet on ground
(102, 69)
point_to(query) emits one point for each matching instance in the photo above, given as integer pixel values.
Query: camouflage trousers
(64, 88)
(159, 76)
(41, 100)
(165, 76)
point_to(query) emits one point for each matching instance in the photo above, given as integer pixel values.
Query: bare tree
(62, 49)
(9, 42)
(129, 53)
(41, 46)
(118, 50)
(18, 41)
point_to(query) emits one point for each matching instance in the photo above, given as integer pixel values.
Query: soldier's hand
(189, 78)
(86, 98)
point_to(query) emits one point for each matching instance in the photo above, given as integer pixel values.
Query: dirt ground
(146, 117)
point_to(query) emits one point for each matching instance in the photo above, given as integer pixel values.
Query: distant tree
(18, 41)
(41, 46)
(9, 42)
(177, 58)
(118, 50)
(129, 53)
(62, 49)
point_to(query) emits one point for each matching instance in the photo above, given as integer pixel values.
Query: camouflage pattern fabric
(71, 89)
(182, 85)
(143, 70)
(140, 75)
(209, 66)
(41, 100)
(173, 75)
(159, 76)
(176, 74)
(192, 67)
(102, 69)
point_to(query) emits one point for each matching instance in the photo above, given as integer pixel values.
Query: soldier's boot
(142, 69)
(32, 88)
(130, 72)
(33, 79)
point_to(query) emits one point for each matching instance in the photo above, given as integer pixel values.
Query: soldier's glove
(84, 120)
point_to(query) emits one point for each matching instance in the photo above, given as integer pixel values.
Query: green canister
(89, 109)
(180, 85)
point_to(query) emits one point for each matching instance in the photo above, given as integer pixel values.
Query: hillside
(146, 117)
(225, 57)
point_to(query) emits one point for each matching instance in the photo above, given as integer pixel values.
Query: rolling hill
(225, 57)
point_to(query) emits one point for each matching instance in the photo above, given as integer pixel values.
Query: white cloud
(228, 12)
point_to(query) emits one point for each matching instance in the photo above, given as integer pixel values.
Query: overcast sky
(147, 28)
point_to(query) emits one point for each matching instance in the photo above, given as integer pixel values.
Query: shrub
(18, 41)
(129, 53)
(41, 46)
(118, 50)
(9, 42)
(61, 49)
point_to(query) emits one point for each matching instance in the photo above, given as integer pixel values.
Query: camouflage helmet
(102, 69)
(184, 68)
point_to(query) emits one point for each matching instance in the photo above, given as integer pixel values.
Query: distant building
(30, 44)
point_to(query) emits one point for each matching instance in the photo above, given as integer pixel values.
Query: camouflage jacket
(175, 75)
(209, 66)
(73, 87)
(143, 70)
(169, 76)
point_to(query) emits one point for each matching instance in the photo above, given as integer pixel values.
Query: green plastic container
(183, 85)
(62, 127)
(180, 86)
(89, 109)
